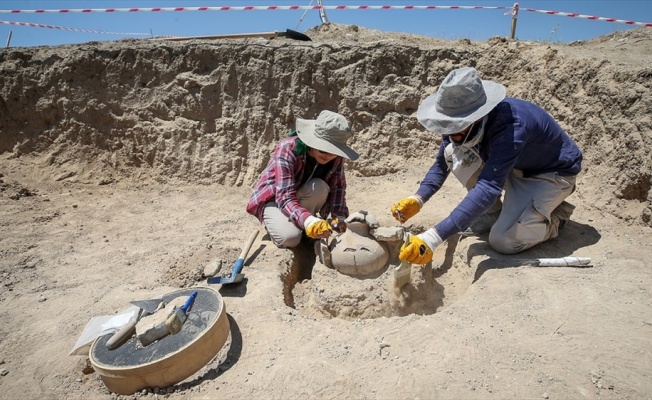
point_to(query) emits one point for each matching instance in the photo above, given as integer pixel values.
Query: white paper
(101, 325)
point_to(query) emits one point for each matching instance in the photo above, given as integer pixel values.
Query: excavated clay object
(356, 252)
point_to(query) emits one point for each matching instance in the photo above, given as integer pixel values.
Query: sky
(449, 24)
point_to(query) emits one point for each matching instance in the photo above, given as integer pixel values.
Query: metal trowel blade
(147, 305)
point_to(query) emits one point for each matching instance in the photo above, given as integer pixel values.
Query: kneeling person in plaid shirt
(304, 182)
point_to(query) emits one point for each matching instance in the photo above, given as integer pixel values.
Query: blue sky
(477, 25)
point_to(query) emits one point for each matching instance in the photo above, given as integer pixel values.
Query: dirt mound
(210, 111)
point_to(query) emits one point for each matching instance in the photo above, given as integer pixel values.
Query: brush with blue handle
(179, 316)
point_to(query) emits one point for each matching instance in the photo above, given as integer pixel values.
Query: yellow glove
(418, 249)
(406, 208)
(317, 228)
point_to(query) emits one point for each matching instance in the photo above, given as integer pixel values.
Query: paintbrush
(178, 317)
(402, 273)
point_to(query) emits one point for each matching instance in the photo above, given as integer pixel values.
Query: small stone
(372, 221)
(213, 268)
(388, 233)
(358, 216)
(42, 298)
(4, 372)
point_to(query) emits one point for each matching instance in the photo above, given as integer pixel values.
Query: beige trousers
(525, 219)
(312, 196)
(525, 212)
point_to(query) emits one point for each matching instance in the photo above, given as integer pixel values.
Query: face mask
(475, 140)
(465, 157)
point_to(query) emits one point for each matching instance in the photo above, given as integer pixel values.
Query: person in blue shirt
(493, 143)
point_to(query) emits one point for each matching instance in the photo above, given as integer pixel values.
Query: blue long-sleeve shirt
(518, 134)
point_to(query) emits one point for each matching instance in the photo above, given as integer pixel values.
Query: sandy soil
(125, 168)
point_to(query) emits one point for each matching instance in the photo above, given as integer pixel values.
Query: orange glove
(419, 249)
(317, 228)
(406, 208)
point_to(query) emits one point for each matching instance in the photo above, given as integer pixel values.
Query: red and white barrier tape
(274, 8)
(592, 17)
(64, 28)
(245, 8)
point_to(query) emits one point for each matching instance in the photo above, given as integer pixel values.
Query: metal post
(514, 20)
(322, 13)
(9, 38)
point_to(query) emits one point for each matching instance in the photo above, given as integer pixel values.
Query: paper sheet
(101, 325)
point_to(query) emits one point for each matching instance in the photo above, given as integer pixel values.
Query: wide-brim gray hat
(328, 133)
(461, 99)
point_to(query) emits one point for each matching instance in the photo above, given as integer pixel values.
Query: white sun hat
(461, 99)
(328, 133)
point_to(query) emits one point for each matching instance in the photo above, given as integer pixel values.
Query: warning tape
(592, 17)
(64, 28)
(244, 8)
(318, 7)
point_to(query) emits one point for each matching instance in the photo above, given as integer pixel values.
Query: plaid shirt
(280, 181)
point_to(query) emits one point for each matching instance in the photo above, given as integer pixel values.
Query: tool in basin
(236, 276)
(175, 320)
(146, 307)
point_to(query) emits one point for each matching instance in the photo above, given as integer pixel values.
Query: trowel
(146, 307)
(289, 33)
(149, 306)
(236, 276)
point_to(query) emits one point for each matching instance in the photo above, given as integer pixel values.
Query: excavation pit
(318, 286)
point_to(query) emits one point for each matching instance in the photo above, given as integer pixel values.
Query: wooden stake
(9, 39)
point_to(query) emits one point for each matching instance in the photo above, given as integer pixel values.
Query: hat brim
(444, 124)
(306, 132)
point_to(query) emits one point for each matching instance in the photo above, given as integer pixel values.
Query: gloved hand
(419, 248)
(338, 224)
(317, 228)
(406, 208)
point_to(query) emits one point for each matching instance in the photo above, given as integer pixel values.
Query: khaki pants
(525, 218)
(312, 196)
